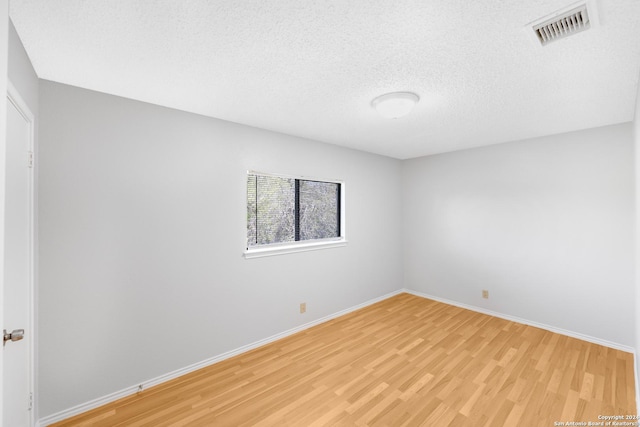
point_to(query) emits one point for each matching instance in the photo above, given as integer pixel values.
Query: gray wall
(142, 231)
(546, 225)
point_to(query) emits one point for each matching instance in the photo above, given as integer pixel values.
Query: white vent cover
(574, 19)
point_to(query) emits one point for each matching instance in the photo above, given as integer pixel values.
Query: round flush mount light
(396, 104)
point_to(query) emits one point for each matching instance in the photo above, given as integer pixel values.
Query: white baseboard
(95, 403)
(550, 328)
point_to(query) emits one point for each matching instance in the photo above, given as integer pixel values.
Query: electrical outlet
(303, 307)
(485, 294)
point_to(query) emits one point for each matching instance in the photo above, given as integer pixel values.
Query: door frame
(14, 97)
(4, 59)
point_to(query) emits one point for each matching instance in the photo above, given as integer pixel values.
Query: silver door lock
(15, 335)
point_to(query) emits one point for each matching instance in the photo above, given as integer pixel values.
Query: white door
(18, 268)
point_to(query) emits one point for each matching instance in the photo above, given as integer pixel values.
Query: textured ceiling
(311, 68)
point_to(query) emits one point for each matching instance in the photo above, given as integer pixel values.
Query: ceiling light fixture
(396, 104)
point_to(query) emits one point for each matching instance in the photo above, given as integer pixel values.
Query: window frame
(302, 245)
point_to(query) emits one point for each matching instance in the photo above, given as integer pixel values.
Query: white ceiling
(311, 67)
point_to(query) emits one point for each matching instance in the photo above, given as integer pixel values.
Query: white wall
(142, 230)
(546, 225)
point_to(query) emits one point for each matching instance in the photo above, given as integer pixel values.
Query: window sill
(289, 249)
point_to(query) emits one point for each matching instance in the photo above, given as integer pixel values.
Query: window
(294, 213)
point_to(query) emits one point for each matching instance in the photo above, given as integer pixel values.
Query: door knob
(15, 335)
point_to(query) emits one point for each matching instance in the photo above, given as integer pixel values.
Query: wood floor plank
(405, 361)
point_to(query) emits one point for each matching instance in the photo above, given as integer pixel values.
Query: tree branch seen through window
(281, 210)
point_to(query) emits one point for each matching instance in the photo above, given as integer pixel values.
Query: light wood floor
(406, 361)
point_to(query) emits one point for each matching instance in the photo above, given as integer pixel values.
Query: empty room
(320, 213)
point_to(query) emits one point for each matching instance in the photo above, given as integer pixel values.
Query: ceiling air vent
(563, 23)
